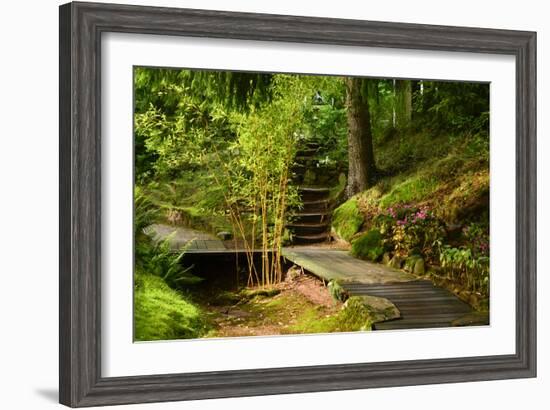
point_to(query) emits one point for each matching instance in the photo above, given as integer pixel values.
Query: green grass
(347, 219)
(161, 313)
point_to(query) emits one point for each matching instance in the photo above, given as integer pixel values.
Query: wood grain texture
(81, 25)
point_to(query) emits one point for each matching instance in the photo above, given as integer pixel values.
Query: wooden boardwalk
(194, 241)
(421, 304)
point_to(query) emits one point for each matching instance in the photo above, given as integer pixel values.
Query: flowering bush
(411, 229)
(478, 237)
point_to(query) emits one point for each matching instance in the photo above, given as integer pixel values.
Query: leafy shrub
(469, 263)
(462, 263)
(145, 212)
(157, 258)
(368, 246)
(347, 219)
(161, 313)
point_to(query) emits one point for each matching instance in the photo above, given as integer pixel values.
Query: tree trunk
(360, 150)
(403, 94)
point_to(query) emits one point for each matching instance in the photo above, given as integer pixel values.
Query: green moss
(368, 246)
(353, 317)
(415, 188)
(347, 219)
(161, 313)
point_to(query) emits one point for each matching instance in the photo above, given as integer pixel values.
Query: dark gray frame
(81, 26)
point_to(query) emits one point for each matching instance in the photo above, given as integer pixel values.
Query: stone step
(306, 152)
(308, 228)
(315, 205)
(313, 193)
(313, 238)
(313, 145)
(311, 217)
(304, 159)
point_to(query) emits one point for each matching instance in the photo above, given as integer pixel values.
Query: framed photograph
(257, 204)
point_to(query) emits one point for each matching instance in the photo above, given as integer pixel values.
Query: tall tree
(403, 103)
(360, 147)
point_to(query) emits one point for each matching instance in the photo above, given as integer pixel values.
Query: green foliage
(145, 213)
(247, 153)
(462, 263)
(469, 263)
(192, 200)
(325, 121)
(157, 257)
(161, 313)
(455, 106)
(368, 246)
(258, 180)
(347, 219)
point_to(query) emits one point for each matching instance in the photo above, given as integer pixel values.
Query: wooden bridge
(421, 304)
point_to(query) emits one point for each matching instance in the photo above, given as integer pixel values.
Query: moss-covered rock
(355, 315)
(411, 263)
(368, 246)
(347, 219)
(419, 267)
(380, 309)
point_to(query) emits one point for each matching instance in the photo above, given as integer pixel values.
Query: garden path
(420, 302)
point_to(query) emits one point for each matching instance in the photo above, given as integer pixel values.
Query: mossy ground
(287, 309)
(450, 178)
(161, 313)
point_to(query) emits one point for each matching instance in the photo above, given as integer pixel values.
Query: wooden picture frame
(81, 27)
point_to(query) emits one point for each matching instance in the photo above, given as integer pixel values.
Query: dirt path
(285, 309)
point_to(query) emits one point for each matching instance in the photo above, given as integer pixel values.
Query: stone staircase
(311, 223)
